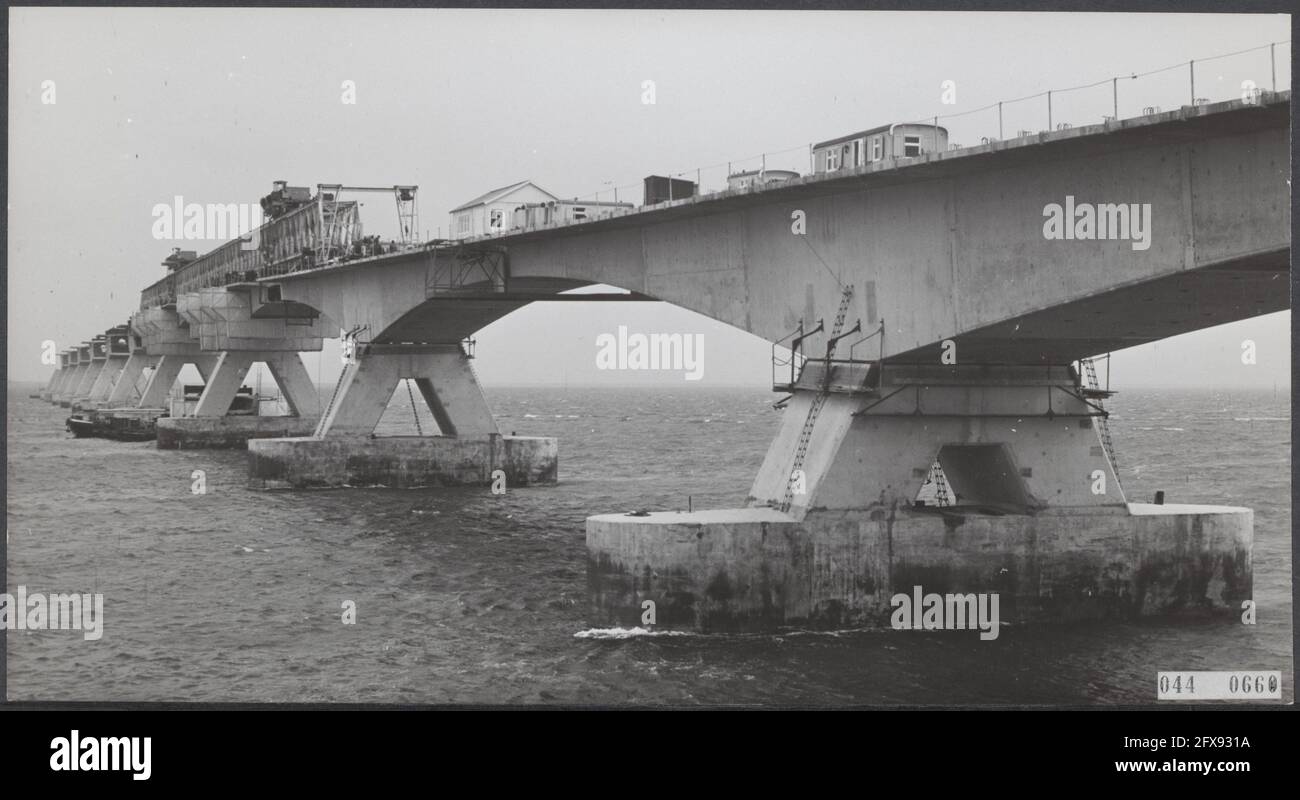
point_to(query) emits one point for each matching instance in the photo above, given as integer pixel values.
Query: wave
(778, 635)
(625, 633)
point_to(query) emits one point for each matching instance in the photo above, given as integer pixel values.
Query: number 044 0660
(1236, 685)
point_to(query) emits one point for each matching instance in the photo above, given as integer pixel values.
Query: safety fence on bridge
(327, 230)
(1240, 75)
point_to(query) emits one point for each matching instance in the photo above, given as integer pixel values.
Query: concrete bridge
(951, 245)
(959, 293)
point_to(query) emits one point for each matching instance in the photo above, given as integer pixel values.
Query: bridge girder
(948, 246)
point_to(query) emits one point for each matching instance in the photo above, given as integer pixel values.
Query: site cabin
(900, 140)
(559, 212)
(493, 212)
(758, 178)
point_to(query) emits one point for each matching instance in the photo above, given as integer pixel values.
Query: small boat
(81, 427)
(245, 403)
(124, 425)
(133, 428)
(140, 425)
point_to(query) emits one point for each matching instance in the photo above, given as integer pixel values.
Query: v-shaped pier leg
(445, 379)
(87, 381)
(344, 451)
(295, 384)
(108, 375)
(124, 391)
(69, 388)
(215, 423)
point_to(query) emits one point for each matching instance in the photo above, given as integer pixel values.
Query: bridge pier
(124, 388)
(52, 385)
(212, 426)
(234, 328)
(69, 381)
(109, 374)
(166, 370)
(60, 377)
(343, 450)
(220, 334)
(152, 340)
(87, 381)
(81, 367)
(118, 415)
(849, 509)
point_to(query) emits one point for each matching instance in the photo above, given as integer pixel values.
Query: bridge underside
(1128, 316)
(1123, 317)
(452, 319)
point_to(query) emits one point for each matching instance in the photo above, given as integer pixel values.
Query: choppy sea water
(466, 597)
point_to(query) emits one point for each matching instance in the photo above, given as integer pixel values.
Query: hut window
(911, 146)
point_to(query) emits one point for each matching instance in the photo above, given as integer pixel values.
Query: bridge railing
(1240, 75)
(160, 293)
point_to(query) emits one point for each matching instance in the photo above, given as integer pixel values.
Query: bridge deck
(947, 245)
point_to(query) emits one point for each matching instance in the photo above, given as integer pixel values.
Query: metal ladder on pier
(810, 422)
(941, 496)
(1103, 423)
(325, 413)
(350, 366)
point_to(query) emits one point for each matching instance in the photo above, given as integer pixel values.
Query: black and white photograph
(622, 358)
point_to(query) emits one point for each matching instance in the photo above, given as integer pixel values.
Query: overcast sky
(214, 104)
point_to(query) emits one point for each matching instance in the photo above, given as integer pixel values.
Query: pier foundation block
(758, 569)
(215, 433)
(400, 462)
